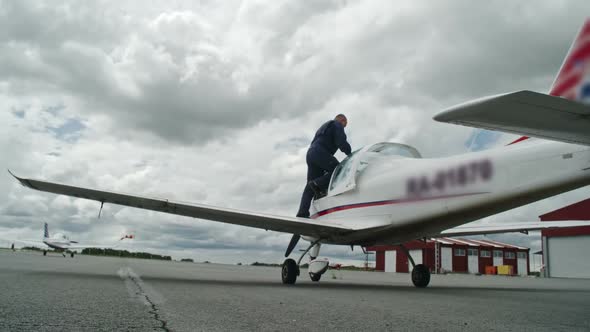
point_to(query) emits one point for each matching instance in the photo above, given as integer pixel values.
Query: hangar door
(521, 263)
(568, 256)
(390, 260)
(472, 260)
(446, 259)
(416, 256)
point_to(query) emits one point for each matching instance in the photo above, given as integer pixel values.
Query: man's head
(342, 119)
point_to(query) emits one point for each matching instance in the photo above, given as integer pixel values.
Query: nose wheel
(315, 276)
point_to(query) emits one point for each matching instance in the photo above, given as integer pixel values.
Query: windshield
(343, 170)
(344, 175)
(395, 149)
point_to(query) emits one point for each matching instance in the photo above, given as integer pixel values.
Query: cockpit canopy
(60, 236)
(344, 176)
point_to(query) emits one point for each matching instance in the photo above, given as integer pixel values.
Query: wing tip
(14, 176)
(23, 182)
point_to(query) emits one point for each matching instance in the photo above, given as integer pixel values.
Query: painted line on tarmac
(138, 289)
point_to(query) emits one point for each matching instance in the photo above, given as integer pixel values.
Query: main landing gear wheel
(72, 255)
(420, 276)
(315, 276)
(290, 271)
(44, 252)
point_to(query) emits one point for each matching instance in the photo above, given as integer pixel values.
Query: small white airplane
(387, 194)
(60, 242)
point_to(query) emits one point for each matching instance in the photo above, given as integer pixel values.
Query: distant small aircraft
(387, 193)
(60, 242)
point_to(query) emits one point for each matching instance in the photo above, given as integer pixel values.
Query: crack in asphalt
(155, 310)
(137, 288)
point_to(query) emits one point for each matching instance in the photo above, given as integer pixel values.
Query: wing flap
(525, 113)
(512, 227)
(292, 225)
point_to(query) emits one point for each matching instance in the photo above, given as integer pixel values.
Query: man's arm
(340, 139)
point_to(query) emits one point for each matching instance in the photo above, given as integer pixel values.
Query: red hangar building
(453, 255)
(565, 251)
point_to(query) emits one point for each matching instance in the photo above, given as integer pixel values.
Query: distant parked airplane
(60, 242)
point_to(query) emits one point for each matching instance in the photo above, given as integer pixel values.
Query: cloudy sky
(215, 102)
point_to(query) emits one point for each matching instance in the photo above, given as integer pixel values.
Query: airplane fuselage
(57, 244)
(426, 196)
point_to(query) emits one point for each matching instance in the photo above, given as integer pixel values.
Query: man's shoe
(317, 191)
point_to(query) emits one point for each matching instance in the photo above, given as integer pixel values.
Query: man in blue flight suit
(321, 161)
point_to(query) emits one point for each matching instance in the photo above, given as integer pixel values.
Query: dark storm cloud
(496, 47)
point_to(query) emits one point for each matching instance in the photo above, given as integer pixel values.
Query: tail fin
(573, 79)
(46, 234)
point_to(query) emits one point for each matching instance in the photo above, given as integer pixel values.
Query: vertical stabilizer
(573, 79)
(46, 229)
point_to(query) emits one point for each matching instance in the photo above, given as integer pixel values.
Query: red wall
(509, 261)
(576, 211)
(459, 262)
(485, 261)
(380, 261)
(401, 261)
(428, 258)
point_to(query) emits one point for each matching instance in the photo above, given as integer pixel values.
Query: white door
(498, 257)
(390, 260)
(568, 256)
(417, 256)
(472, 260)
(521, 266)
(446, 261)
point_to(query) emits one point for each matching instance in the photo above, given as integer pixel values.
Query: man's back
(331, 137)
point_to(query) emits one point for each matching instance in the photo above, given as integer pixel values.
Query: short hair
(340, 116)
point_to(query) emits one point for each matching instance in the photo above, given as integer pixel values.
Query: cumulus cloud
(216, 102)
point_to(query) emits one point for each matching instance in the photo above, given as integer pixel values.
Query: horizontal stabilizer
(512, 227)
(525, 113)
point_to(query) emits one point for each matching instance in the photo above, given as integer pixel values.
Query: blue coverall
(321, 161)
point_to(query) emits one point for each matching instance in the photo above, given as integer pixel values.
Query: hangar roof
(477, 243)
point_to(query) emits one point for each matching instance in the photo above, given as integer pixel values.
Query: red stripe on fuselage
(388, 202)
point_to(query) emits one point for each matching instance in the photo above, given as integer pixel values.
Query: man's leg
(305, 203)
(327, 163)
(307, 196)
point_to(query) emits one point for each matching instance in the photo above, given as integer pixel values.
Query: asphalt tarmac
(88, 293)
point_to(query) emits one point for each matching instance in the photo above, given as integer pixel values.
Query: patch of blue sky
(19, 113)
(69, 131)
(54, 110)
(482, 139)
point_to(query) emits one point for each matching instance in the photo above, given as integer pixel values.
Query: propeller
(292, 244)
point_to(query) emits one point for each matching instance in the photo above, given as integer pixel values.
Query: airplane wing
(96, 246)
(512, 227)
(32, 243)
(293, 225)
(525, 113)
(92, 246)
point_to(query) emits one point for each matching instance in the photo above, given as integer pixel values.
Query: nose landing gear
(290, 270)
